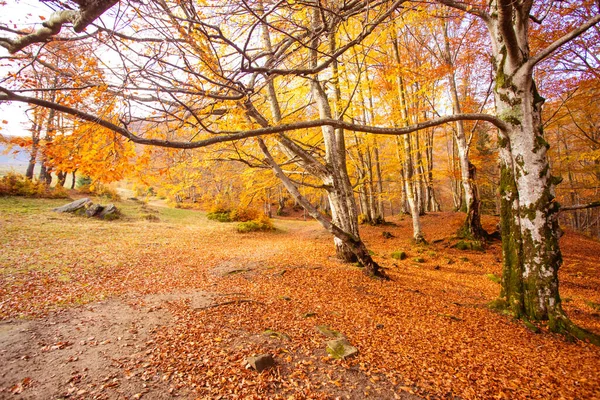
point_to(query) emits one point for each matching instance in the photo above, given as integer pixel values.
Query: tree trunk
(348, 241)
(334, 173)
(74, 180)
(472, 227)
(410, 194)
(530, 230)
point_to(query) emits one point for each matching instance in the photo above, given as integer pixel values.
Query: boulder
(93, 210)
(86, 207)
(261, 362)
(110, 211)
(73, 206)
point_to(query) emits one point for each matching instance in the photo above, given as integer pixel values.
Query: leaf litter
(426, 334)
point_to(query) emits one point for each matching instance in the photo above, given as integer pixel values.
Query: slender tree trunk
(408, 163)
(74, 180)
(410, 195)
(434, 205)
(472, 227)
(35, 139)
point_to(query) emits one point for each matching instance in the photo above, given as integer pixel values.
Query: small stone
(330, 333)
(437, 267)
(379, 326)
(261, 362)
(341, 349)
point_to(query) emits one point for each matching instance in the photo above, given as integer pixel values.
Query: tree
(202, 79)
(531, 253)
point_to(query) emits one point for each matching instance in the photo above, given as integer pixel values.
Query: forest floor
(165, 303)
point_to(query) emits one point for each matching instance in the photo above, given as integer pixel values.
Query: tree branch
(88, 12)
(7, 95)
(559, 42)
(580, 206)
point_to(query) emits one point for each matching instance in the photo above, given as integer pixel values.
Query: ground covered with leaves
(166, 303)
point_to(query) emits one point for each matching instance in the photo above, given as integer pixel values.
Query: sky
(17, 14)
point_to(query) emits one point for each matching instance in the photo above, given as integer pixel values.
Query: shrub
(219, 216)
(244, 214)
(18, 185)
(262, 223)
(99, 190)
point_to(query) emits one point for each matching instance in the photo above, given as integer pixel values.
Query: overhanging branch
(222, 137)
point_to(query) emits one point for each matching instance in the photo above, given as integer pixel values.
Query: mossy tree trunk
(530, 233)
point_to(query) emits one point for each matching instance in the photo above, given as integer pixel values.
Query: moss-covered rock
(399, 255)
(341, 349)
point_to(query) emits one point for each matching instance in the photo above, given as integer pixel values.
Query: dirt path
(91, 352)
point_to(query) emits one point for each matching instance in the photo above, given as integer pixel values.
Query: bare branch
(580, 206)
(222, 137)
(80, 20)
(560, 42)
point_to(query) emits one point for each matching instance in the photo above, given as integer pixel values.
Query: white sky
(17, 14)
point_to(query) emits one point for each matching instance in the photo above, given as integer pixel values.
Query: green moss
(275, 335)
(419, 259)
(462, 245)
(399, 255)
(533, 328)
(540, 142)
(493, 278)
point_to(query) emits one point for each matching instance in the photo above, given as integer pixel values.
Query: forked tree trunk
(334, 173)
(530, 230)
(349, 241)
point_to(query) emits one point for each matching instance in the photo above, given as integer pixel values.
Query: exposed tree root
(563, 325)
(558, 323)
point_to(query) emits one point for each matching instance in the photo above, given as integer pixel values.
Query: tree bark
(530, 229)
(472, 227)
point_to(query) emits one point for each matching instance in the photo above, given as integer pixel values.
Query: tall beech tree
(199, 70)
(531, 253)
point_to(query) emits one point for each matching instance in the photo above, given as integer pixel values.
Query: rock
(340, 349)
(330, 333)
(86, 207)
(93, 210)
(109, 212)
(261, 362)
(387, 235)
(73, 206)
